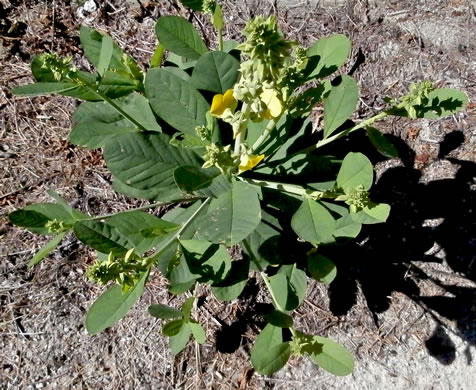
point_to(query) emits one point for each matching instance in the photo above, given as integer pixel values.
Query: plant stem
(176, 236)
(148, 206)
(271, 292)
(220, 39)
(291, 188)
(112, 104)
(243, 125)
(269, 128)
(326, 141)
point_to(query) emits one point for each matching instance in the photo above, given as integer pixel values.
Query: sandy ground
(404, 301)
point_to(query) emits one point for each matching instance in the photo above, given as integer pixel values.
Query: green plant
(228, 133)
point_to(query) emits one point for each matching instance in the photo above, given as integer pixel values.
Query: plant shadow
(429, 222)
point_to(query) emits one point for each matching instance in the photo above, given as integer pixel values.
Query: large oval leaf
(176, 101)
(340, 103)
(232, 216)
(329, 54)
(444, 102)
(215, 71)
(269, 354)
(111, 306)
(313, 223)
(321, 268)
(180, 37)
(332, 357)
(234, 284)
(356, 170)
(146, 161)
(91, 42)
(102, 237)
(96, 122)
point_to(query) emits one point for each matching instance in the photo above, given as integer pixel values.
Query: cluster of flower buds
(125, 271)
(357, 198)
(55, 226)
(60, 67)
(415, 101)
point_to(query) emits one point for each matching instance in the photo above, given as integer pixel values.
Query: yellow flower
(249, 162)
(273, 104)
(222, 102)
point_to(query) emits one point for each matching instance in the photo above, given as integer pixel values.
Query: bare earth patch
(404, 299)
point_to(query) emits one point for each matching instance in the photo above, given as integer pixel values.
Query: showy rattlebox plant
(228, 134)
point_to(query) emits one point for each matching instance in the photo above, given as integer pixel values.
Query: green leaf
(105, 55)
(321, 268)
(371, 215)
(269, 354)
(102, 237)
(217, 19)
(173, 328)
(156, 58)
(92, 43)
(178, 273)
(146, 161)
(279, 319)
(232, 216)
(144, 230)
(196, 5)
(212, 262)
(163, 311)
(289, 287)
(267, 228)
(34, 217)
(111, 306)
(43, 88)
(176, 101)
(233, 285)
(216, 71)
(230, 45)
(180, 37)
(97, 122)
(347, 227)
(381, 143)
(313, 223)
(61, 202)
(28, 218)
(444, 102)
(179, 72)
(332, 356)
(340, 103)
(332, 52)
(356, 170)
(181, 62)
(187, 308)
(178, 342)
(190, 179)
(198, 332)
(46, 249)
(41, 73)
(298, 282)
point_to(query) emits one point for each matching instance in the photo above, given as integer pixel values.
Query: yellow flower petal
(229, 100)
(218, 107)
(270, 98)
(249, 162)
(221, 102)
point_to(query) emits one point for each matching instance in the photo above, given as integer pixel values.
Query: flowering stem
(267, 131)
(243, 125)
